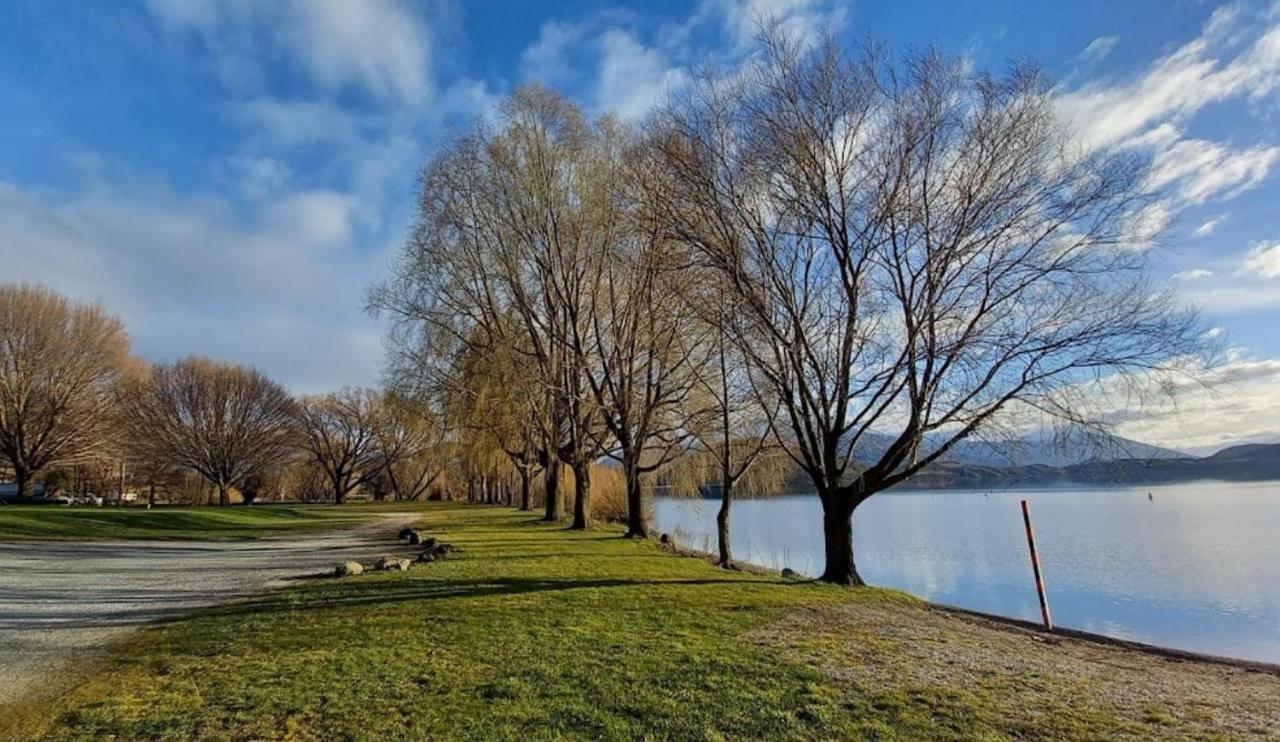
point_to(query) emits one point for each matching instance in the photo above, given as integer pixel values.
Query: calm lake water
(1196, 566)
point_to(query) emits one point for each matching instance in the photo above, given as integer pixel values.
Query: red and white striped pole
(1035, 567)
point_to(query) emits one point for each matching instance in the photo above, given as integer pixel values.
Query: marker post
(1035, 567)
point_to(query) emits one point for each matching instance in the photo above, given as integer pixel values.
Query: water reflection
(1195, 566)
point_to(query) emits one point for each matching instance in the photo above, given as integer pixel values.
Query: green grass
(530, 632)
(50, 522)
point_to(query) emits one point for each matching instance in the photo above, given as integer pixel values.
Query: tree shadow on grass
(390, 593)
(568, 554)
(554, 542)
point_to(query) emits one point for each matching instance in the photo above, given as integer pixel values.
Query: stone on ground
(349, 569)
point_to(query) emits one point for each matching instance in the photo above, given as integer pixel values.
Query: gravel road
(61, 600)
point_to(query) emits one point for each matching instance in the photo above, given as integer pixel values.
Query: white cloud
(1176, 86)
(1206, 229)
(1262, 261)
(631, 66)
(260, 177)
(375, 45)
(633, 77)
(546, 60)
(1232, 298)
(321, 219)
(281, 289)
(1236, 57)
(291, 123)
(805, 20)
(1231, 403)
(1200, 170)
(1097, 50)
(1192, 274)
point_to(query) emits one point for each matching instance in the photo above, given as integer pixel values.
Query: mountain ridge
(1249, 462)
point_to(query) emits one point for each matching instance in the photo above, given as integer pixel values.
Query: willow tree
(501, 400)
(223, 421)
(508, 221)
(59, 364)
(917, 250)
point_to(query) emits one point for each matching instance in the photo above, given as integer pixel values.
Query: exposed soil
(1044, 685)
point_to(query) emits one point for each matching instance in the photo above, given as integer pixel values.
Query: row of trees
(72, 396)
(852, 259)
(842, 263)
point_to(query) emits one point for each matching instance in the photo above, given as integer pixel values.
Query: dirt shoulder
(1006, 678)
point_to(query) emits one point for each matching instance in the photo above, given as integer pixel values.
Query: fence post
(1035, 567)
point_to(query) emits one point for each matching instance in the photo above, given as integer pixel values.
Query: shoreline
(1030, 627)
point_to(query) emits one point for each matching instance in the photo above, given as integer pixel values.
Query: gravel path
(61, 600)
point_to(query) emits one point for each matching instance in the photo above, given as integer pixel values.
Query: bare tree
(225, 422)
(339, 431)
(59, 364)
(410, 446)
(730, 418)
(643, 342)
(917, 250)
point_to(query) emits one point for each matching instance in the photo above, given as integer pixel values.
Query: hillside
(1246, 463)
(1251, 462)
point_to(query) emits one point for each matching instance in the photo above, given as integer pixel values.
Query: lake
(1195, 566)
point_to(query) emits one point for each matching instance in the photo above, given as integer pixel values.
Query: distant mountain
(1048, 451)
(1042, 448)
(1248, 452)
(986, 466)
(1245, 463)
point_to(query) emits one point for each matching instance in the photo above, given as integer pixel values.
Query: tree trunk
(581, 497)
(151, 495)
(722, 524)
(524, 489)
(837, 536)
(224, 497)
(636, 526)
(554, 507)
(23, 479)
(339, 493)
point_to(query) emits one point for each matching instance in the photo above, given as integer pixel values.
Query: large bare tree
(339, 431)
(918, 251)
(59, 364)
(224, 421)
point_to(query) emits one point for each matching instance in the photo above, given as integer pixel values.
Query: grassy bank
(532, 631)
(49, 522)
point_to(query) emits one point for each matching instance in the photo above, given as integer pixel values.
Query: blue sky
(230, 175)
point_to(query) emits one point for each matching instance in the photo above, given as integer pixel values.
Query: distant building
(10, 489)
(9, 494)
